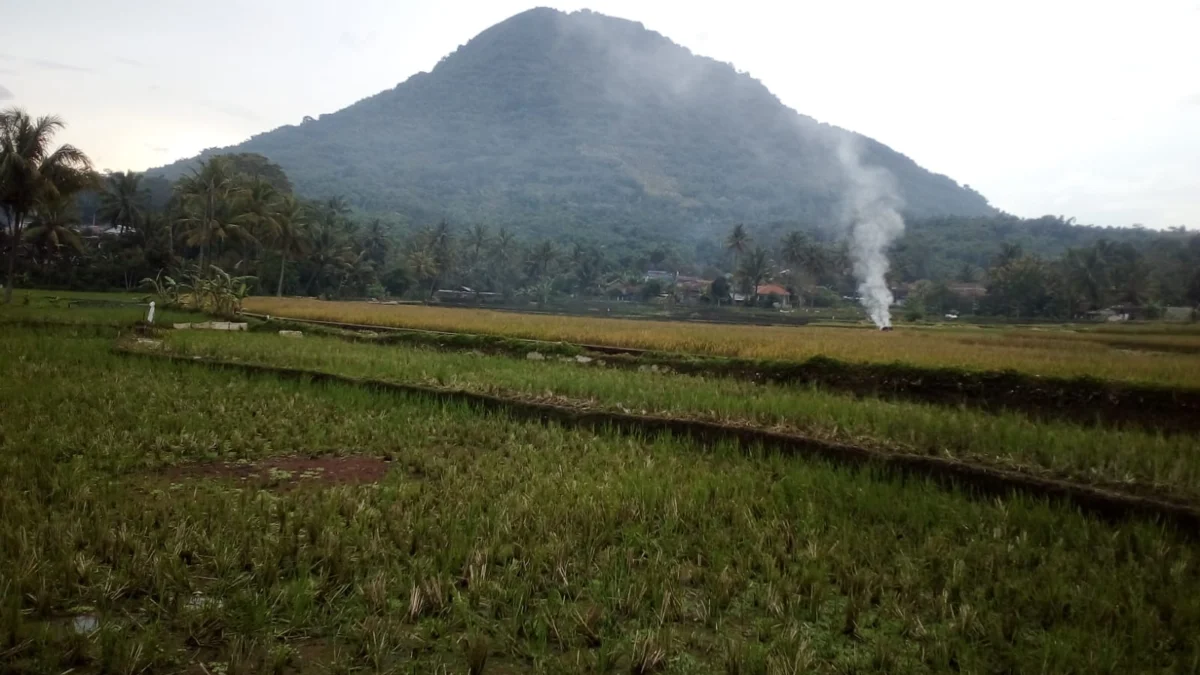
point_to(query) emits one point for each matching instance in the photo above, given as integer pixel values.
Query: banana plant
(167, 290)
(222, 293)
(227, 292)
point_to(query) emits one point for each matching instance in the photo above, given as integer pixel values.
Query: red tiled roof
(772, 289)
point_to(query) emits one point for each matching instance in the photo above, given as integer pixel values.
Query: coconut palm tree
(439, 243)
(207, 197)
(588, 272)
(330, 255)
(809, 260)
(794, 247)
(336, 207)
(1087, 275)
(478, 238)
(31, 173)
(423, 267)
(123, 201)
(258, 206)
(541, 258)
(755, 269)
(290, 236)
(503, 247)
(50, 233)
(500, 260)
(475, 266)
(377, 243)
(737, 242)
(477, 241)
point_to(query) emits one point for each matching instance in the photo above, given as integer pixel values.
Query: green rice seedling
(1127, 460)
(136, 509)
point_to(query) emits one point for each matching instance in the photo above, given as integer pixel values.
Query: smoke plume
(872, 215)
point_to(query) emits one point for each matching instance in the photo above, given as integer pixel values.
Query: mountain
(579, 122)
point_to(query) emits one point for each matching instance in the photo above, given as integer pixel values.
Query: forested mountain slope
(559, 124)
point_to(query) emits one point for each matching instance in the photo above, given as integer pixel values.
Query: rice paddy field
(1169, 355)
(162, 514)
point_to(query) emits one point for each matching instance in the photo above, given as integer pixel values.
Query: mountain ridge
(575, 121)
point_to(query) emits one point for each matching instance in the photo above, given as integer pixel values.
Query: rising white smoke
(872, 219)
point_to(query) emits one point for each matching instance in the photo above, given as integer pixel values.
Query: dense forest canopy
(556, 125)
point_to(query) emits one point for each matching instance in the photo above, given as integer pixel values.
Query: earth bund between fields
(1083, 400)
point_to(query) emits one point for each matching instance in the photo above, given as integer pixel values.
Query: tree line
(237, 214)
(1100, 276)
(1163, 271)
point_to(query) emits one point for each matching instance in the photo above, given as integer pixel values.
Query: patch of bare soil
(289, 471)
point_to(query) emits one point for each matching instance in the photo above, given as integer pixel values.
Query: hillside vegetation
(559, 122)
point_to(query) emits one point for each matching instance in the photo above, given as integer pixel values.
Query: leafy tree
(32, 174)
(1129, 274)
(1020, 287)
(1193, 288)
(719, 290)
(398, 280)
(934, 297)
(256, 167)
(1008, 253)
(652, 289)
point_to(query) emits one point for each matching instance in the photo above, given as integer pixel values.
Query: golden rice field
(1159, 358)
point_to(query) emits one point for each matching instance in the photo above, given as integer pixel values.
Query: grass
(1135, 460)
(141, 296)
(500, 546)
(1131, 356)
(98, 309)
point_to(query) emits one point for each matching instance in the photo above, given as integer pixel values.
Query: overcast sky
(1086, 108)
